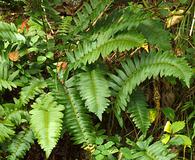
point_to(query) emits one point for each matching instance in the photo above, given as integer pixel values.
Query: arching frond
(135, 72)
(20, 144)
(94, 90)
(90, 52)
(46, 121)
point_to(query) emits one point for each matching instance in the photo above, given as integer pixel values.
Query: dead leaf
(14, 56)
(61, 66)
(24, 25)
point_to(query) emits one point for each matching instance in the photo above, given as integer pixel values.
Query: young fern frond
(90, 52)
(29, 92)
(139, 112)
(94, 90)
(46, 121)
(76, 118)
(9, 33)
(135, 72)
(20, 144)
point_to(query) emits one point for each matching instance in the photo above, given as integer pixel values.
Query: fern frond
(65, 25)
(7, 84)
(158, 151)
(9, 32)
(89, 14)
(19, 116)
(46, 121)
(90, 52)
(5, 81)
(76, 118)
(123, 20)
(156, 27)
(6, 131)
(135, 72)
(139, 112)
(20, 144)
(29, 92)
(94, 90)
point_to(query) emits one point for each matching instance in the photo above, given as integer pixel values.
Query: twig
(192, 26)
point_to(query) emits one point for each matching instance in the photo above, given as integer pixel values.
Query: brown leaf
(61, 66)
(14, 56)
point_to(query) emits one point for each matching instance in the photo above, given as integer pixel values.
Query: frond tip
(46, 121)
(94, 90)
(139, 112)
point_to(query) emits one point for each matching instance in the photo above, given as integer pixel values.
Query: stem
(192, 26)
(145, 3)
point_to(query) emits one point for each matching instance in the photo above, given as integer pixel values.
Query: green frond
(4, 68)
(5, 84)
(123, 20)
(146, 150)
(20, 144)
(139, 112)
(29, 92)
(89, 14)
(65, 25)
(76, 118)
(9, 32)
(90, 52)
(158, 36)
(94, 90)
(157, 151)
(6, 131)
(6, 80)
(18, 116)
(135, 72)
(46, 121)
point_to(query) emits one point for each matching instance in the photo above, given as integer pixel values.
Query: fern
(94, 90)
(6, 79)
(89, 14)
(65, 25)
(9, 32)
(90, 52)
(157, 151)
(144, 150)
(46, 121)
(76, 119)
(29, 92)
(6, 131)
(18, 117)
(135, 72)
(156, 28)
(123, 20)
(20, 144)
(139, 112)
